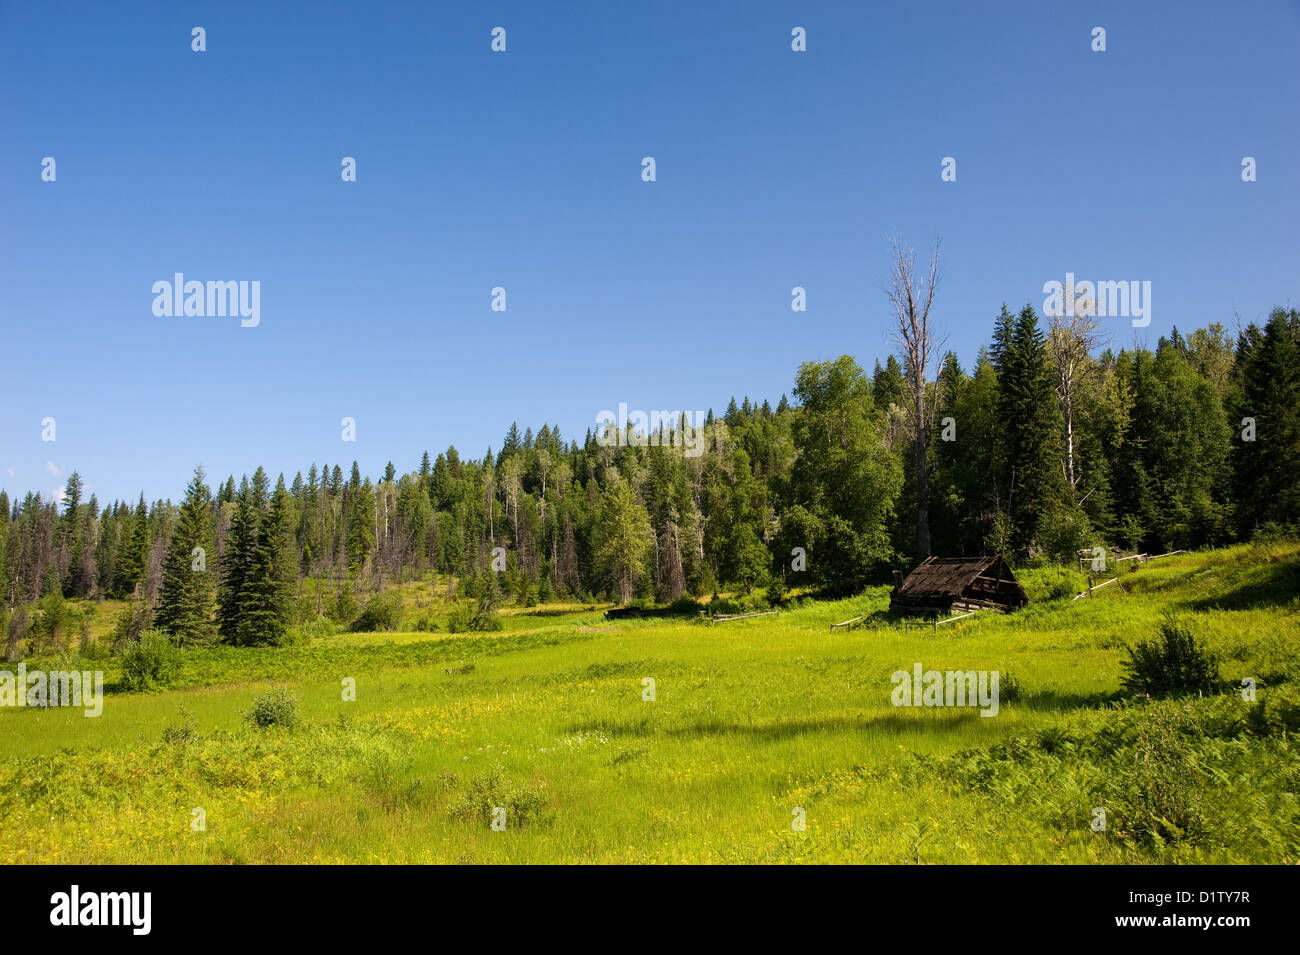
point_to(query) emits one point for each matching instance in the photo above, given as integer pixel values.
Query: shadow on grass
(905, 721)
(1055, 701)
(1271, 585)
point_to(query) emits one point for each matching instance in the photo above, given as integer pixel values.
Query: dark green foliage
(382, 612)
(185, 603)
(1171, 664)
(1161, 459)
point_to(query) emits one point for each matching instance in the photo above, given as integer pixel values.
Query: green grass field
(752, 721)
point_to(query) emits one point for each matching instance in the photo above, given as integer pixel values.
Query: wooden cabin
(957, 584)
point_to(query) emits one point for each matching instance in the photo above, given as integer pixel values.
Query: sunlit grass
(751, 721)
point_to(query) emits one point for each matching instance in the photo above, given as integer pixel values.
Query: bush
(133, 621)
(383, 612)
(1062, 532)
(460, 618)
(150, 662)
(274, 708)
(685, 607)
(318, 627)
(1171, 664)
(184, 732)
(488, 792)
(485, 618)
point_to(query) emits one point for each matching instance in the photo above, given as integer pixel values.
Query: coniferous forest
(1046, 444)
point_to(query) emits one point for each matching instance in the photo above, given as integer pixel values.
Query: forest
(1050, 442)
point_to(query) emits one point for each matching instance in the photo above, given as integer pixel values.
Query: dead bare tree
(1071, 341)
(916, 340)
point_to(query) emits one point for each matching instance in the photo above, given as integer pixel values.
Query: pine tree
(236, 564)
(185, 601)
(1031, 424)
(1266, 458)
(135, 556)
(266, 594)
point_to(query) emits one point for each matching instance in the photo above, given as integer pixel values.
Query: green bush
(485, 618)
(133, 621)
(319, 627)
(276, 707)
(186, 731)
(460, 619)
(490, 791)
(383, 612)
(685, 607)
(1171, 664)
(150, 662)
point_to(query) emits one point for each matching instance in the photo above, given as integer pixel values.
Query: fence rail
(723, 618)
(961, 616)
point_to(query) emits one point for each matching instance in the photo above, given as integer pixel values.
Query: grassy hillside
(751, 721)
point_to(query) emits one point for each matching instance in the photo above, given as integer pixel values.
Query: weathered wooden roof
(954, 577)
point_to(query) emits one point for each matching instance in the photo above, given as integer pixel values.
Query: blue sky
(523, 170)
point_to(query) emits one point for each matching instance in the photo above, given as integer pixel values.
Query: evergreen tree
(135, 557)
(1266, 457)
(236, 565)
(266, 595)
(1031, 425)
(185, 601)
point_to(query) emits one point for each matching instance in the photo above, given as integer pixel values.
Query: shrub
(133, 621)
(490, 791)
(276, 707)
(1173, 663)
(685, 606)
(185, 732)
(460, 618)
(319, 627)
(150, 662)
(383, 612)
(485, 618)
(1061, 589)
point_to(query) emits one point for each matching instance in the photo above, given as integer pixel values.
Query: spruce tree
(135, 556)
(185, 601)
(1030, 422)
(266, 595)
(236, 564)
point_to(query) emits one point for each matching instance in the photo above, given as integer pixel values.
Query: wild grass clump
(1173, 663)
(276, 707)
(487, 792)
(179, 734)
(1179, 780)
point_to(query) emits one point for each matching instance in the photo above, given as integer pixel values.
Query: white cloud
(53, 468)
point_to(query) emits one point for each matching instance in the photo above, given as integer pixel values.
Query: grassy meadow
(752, 720)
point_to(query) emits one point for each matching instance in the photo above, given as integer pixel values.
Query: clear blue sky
(522, 170)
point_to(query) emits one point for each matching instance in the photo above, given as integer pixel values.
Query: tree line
(1047, 444)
